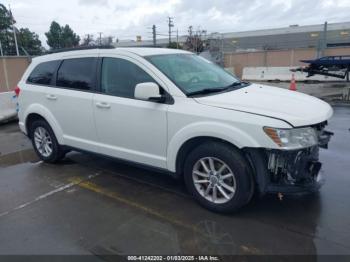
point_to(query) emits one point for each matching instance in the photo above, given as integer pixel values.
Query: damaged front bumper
(294, 171)
(289, 171)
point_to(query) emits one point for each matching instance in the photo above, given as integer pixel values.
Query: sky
(125, 19)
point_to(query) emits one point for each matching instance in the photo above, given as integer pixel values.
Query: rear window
(77, 73)
(43, 73)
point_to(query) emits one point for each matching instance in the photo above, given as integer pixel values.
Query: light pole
(170, 25)
(14, 30)
(1, 53)
(15, 37)
(154, 34)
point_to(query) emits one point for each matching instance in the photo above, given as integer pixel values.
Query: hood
(295, 108)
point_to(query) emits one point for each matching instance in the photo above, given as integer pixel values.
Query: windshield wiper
(238, 83)
(217, 90)
(208, 91)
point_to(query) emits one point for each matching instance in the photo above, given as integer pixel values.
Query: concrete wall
(11, 71)
(281, 74)
(280, 58)
(12, 68)
(8, 103)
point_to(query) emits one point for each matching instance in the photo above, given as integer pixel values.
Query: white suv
(175, 111)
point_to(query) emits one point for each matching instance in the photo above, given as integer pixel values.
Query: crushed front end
(294, 171)
(290, 171)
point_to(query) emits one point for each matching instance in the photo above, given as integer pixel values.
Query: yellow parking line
(113, 195)
(97, 189)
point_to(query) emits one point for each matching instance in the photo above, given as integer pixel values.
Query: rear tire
(218, 177)
(45, 143)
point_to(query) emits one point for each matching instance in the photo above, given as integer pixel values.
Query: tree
(29, 41)
(54, 36)
(69, 38)
(88, 40)
(194, 40)
(107, 40)
(5, 19)
(25, 38)
(61, 37)
(195, 43)
(6, 22)
(174, 45)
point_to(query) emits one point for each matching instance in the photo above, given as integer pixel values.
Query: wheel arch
(30, 119)
(191, 144)
(205, 131)
(39, 112)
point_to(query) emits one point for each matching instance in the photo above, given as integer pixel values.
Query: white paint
(152, 133)
(280, 74)
(7, 106)
(48, 194)
(296, 108)
(39, 198)
(145, 91)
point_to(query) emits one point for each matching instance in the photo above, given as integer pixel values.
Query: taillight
(17, 91)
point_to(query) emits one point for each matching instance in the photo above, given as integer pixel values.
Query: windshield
(193, 74)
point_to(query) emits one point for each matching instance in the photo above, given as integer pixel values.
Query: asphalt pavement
(90, 205)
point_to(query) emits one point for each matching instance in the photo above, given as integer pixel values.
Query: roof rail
(80, 48)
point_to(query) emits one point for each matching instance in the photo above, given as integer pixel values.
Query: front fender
(222, 131)
(43, 112)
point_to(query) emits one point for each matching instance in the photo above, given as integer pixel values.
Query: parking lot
(91, 205)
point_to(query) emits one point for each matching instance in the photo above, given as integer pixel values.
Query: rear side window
(43, 73)
(77, 73)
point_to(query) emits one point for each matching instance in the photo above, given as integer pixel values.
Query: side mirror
(149, 92)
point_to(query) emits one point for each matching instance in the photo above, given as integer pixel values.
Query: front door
(128, 128)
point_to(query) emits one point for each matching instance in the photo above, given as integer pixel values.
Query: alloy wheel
(214, 180)
(43, 141)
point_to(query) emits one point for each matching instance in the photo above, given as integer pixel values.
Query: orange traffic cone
(293, 84)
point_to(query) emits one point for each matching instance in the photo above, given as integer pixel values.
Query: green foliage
(54, 35)
(27, 40)
(174, 45)
(195, 44)
(88, 40)
(5, 18)
(5, 30)
(61, 37)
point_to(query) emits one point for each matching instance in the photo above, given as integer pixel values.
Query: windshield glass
(192, 73)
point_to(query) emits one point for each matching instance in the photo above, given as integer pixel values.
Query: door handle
(51, 97)
(103, 105)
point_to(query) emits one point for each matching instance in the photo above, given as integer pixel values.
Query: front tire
(45, 143)
(219, 177)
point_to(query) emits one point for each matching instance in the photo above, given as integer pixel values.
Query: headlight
(296, 138)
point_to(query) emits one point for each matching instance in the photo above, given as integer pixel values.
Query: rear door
(70, 101)
(34, 88)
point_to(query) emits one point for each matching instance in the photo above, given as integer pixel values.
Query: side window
(119, 77)
(43, 73)
(77, 73)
